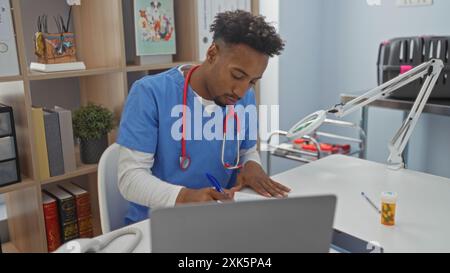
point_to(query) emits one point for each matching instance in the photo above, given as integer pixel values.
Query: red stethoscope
(185, 159)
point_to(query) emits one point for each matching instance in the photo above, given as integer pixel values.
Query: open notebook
(243, 196)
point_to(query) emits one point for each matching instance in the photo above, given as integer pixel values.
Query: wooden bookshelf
(150, 67)
(11, 78)
(105, 81)
(9, 248)
(26, 182)
(80, 171)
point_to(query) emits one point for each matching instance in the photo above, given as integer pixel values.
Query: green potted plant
(91, 125)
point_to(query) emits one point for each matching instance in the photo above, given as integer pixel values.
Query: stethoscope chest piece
(185, 162)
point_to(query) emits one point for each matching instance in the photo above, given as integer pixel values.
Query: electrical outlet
(374, 2)
(412, 3)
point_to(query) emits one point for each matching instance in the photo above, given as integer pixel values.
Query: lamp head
(307, 125)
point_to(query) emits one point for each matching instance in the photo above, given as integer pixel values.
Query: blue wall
(332, 49)
(299, 65)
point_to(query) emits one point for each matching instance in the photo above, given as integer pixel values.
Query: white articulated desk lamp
(431, 69)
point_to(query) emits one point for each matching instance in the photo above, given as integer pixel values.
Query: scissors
(42, 23)
(62, 27)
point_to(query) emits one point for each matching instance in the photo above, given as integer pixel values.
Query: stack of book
(54, 141)
(67, 214)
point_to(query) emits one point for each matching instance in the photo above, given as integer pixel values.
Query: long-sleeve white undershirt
(137, 183)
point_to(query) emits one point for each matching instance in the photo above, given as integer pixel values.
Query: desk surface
(423, 207)
(438, 107)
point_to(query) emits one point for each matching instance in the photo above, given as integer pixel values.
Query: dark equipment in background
(399, 55)
(9, 162)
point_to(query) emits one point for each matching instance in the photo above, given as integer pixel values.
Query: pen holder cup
(388, 208)
(55, 48)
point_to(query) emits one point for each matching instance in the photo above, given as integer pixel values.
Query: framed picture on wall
(154, 27)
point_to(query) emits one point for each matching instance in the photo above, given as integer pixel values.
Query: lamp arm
(431, 69)
(401, 138)
(385, 89)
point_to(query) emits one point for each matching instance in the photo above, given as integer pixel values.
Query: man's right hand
(203, 195)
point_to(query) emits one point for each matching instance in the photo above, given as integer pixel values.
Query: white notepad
(242, 196)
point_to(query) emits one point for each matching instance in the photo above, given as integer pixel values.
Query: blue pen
(215, 184)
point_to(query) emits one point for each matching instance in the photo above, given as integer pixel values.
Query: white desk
(423, 208)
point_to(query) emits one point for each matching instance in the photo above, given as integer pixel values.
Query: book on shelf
(54, 145)
(51, 219)
(68, 221)
(48, 68)
(67, 141)
(83, 208)
(40, 143)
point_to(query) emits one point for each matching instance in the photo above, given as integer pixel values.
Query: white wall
(299, 71)
(270, 81)
(332, 48)
(350, 43)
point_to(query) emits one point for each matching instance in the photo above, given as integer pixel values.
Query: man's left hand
(253, 176)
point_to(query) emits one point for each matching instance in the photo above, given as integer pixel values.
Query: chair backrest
(113, 206)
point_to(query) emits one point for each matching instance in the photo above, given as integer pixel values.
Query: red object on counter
(324, 147)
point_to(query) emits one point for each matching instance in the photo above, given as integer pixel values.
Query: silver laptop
(293, 225)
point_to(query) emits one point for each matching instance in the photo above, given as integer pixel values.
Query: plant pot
(92, 149)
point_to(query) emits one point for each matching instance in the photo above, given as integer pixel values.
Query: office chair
(113, 207)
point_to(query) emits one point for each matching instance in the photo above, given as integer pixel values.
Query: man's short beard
(218, 102)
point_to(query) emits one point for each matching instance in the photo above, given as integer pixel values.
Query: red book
(83, 207)
(51, 219)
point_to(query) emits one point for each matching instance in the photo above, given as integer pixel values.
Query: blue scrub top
(146, 126)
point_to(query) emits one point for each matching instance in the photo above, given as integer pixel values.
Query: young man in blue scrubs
(154, 170)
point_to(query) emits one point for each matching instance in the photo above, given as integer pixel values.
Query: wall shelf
(11, 78)
(152, 67)
(80, 171)
(25, 183)
(38, 76)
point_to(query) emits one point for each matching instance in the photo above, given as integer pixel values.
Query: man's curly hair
(241, 27)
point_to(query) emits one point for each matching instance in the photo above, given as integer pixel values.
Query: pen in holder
(54, 48)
